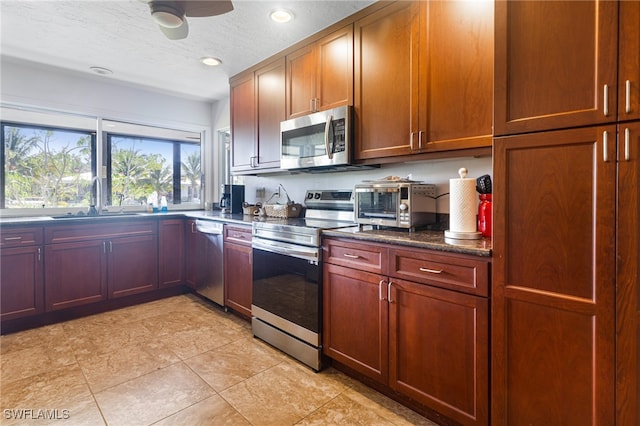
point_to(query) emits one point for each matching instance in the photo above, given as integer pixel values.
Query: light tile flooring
(176, 361)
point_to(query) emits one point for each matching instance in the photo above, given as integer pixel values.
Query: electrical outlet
(260, 193)
(276, 193)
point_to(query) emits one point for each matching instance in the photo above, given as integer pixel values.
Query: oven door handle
(311, 254)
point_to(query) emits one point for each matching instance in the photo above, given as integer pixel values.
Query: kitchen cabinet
(415, 336)
(320, 74)
(238, 279)
(171, 249)
(93, 262)
(195, 255)
(629, 61)
(257, 108)
(431, 64)
(556, 64)
(628, 270)
(554, 277)
(21, 266)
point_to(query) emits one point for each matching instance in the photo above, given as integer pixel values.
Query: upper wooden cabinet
(320, 74)
(556, 64)
(257, 108)
(424, 78)
(629, 64)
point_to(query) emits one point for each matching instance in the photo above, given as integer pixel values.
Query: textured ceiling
(121, 35)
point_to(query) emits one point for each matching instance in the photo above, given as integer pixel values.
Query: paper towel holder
(458, 235)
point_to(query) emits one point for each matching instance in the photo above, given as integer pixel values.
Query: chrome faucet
(98, 196)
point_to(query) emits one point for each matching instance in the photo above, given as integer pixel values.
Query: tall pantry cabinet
(566, 300)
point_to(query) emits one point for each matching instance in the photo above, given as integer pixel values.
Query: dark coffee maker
(232, 199)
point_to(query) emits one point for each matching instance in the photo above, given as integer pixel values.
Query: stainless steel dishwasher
(211, 284)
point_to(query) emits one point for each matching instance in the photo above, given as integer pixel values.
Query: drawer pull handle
(605, 108)
(627, 93)
(351, 256)
(13, 238)
(431, 271)
(389, 292)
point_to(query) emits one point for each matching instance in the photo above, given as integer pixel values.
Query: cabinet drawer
(17, 237)
(237, 234)
(70, 233)
(455, 272)
(363, 256)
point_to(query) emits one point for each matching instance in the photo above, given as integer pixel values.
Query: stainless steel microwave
(395, 204)
(321, 139)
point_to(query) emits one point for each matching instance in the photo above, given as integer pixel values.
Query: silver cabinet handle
(39, 254)
(13, 238)
(627, 94)
(389, 292)
(110, 247)
(104, 246)
(351, 256)
(606, 101)
(327, 127)
(605, 146)
(411, 140)
(627, 140)
(420, 133)
(380, 284)
(431, 271)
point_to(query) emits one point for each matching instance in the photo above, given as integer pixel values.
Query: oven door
(377, 205)
(287, 283)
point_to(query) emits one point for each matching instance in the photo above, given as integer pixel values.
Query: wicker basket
(283, 210)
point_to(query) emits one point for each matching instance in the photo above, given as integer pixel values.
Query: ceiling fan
(170, 15)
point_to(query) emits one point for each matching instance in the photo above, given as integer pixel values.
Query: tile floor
(176, 361)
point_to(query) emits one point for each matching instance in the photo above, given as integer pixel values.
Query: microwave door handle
(327, 146)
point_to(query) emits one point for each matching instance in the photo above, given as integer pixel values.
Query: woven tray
(283, 210)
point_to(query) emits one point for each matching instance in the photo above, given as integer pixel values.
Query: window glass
(46, 167)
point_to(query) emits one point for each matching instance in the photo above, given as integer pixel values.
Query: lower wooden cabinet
(21, 291)
(238, 278)
(171, 266)
(421, 339)
(90, 263)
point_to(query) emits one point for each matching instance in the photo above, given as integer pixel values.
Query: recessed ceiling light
(210, 61)
(101, 70)
(281, 16)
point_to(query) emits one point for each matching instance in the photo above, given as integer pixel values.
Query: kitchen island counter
(433, 240)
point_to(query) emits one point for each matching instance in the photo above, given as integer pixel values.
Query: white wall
(435, 171)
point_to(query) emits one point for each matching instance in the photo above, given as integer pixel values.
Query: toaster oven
(395, 204)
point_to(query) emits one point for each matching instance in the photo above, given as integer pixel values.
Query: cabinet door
(133, 265)
(334, 83)
(555, 64)
(553, 299)
(243, 118)
(21, 292)
(457, 70)
(75, 274)
(439, 350)
(238, 279)
(301, 81)
(195, 250)
(386, 45)
(355, 320)
(629, 65)
(628, 269)
(171, 252)
(270, 87)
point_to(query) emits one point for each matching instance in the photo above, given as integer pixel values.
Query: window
(60, 161)
(46, 167)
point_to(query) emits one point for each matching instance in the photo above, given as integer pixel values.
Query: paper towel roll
(462, 204)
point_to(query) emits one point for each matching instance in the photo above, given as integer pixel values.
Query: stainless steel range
(287, 275)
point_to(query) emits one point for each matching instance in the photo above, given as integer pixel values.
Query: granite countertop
(434, 240)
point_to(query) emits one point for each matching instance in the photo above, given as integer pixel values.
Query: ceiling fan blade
(201, 8)
(176, 33)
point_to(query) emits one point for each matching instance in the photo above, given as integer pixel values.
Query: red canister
(484, 215)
